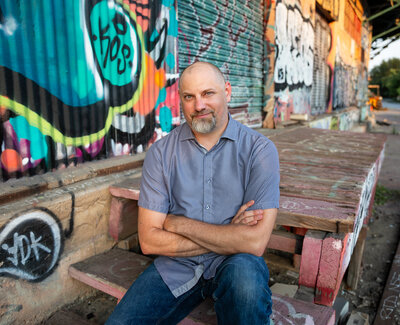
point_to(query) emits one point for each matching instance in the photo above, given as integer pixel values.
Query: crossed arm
(170, 235)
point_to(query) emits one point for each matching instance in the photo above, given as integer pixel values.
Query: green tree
(392, 83)
(387, 75)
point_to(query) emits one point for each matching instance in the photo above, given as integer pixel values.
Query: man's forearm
(223, 239)
(171, 244)
(155, 240)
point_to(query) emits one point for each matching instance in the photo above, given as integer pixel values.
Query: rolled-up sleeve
(153, 189)
(263, 183)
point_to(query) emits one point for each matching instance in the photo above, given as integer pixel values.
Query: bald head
(202, 66)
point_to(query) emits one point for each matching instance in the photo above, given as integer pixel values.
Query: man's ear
(228, 91)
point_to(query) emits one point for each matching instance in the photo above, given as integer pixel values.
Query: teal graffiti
(173, 23)
(38, 147)
(162, 95)
(115, 44)
(165, 119)
(170, 60)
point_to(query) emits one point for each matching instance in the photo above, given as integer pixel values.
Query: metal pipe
(382, 12)
(387, 32)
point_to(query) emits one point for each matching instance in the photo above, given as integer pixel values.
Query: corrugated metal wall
(322, 73)
(230, 35)
(83, 80)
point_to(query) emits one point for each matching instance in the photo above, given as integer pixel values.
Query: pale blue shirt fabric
(180, 177)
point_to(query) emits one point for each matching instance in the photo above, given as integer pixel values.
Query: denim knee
(245, 277)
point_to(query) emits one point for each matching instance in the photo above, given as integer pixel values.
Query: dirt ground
(381, 243)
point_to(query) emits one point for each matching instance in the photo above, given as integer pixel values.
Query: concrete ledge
(15, 189)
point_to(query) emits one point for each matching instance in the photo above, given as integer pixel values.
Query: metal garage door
(230, 35)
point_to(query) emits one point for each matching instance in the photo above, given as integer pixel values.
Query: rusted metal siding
(230, 35)
(83, 80)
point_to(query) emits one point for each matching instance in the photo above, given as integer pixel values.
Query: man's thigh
(149, 301)
(240, 291)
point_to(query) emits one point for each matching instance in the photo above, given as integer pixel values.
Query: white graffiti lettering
(28, 256)
(24, 247)
(295, 43)
(395, 282)
(389, 305)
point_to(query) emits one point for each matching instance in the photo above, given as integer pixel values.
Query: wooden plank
(129, 244)
(123, 220)
(389, 307)
(285, 310)
(330, 271)
(128, 189)
(316, 214)
(310, 259)
(354, 268)
(112, 272)
(285, 241)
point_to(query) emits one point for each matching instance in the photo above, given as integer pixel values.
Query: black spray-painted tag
(30, 245)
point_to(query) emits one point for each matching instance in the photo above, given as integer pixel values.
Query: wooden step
(128, 189)
(113, 272)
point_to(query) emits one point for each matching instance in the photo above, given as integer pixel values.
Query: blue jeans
(239, 289)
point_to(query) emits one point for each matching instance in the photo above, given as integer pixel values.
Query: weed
(383, 194)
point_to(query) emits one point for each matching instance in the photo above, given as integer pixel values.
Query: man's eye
(209, 93)
(187, 97)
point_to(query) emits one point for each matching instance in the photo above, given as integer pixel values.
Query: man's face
(204, 96)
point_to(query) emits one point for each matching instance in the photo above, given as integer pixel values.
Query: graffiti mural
(344, 92)
(230, 36)
(30, 245)
(293, 74)
(322, 74)
(269, 63)
(84, 80)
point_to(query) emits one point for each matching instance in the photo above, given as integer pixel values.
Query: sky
(392, 51)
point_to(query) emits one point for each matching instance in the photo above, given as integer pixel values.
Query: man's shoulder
(246, 134)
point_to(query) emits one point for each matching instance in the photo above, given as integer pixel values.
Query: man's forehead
(203, 68)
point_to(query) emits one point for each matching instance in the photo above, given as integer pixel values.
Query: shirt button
(207, 207)
(209, 181)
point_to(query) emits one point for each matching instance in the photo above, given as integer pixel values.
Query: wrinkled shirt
(181, 177)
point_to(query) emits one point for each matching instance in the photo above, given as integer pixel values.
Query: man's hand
(249, 218)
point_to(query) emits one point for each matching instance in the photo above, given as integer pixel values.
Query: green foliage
(383, 194)
(387, 76)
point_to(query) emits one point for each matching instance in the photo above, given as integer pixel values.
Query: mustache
(209, 111)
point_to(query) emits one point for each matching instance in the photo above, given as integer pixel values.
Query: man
(197, 188)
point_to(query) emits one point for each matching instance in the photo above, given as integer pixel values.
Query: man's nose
(200, 105)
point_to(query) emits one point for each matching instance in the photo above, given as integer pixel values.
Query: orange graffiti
(142, 13)
(153, 82)
(11, 160)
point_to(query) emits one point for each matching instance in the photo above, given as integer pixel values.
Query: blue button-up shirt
(180, 177)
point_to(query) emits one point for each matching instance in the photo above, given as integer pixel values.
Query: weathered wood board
(285, 310)
(389, 307)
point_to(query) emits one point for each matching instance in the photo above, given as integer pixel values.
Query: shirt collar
(231, 131)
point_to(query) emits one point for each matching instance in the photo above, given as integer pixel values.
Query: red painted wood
(310, 258)
(389, 307)
(128, 189)
(330, 272)
(285, 241)
(123, 218)
(112, 272)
